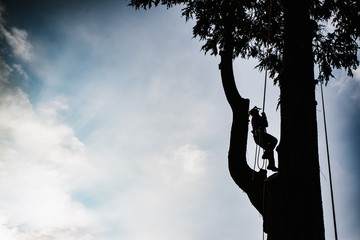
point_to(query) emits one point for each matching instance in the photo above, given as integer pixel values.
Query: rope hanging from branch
(257, 149)
(328, 160)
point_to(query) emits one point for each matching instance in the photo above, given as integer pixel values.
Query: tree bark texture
(301, 213)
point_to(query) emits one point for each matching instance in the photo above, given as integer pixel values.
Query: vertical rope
(256, 153)
(328, 159)
(257, 157)
(263, 106)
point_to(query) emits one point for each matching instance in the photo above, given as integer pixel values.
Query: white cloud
(17, 39)
(5, 71)
(183, 164)
(356, 94)
(21, 71)
(41, 164)
(147, 115)
(10, 233)
(357, 74)
(347, 87)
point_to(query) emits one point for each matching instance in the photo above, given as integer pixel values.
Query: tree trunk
(298, 185)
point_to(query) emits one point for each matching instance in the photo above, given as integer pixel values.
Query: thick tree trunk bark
(300, 215)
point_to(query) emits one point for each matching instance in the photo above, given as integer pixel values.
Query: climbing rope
(328, 159)
(257, 157)
(257, 150)
(256, 162)
(253, 173)
(263, 165)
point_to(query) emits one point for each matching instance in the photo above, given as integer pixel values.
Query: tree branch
(249, 181)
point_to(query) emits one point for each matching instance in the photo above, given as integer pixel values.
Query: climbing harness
(328, 160)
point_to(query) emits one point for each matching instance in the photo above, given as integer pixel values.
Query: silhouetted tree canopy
(335, 30)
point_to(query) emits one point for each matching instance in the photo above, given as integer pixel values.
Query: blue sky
(114, 126)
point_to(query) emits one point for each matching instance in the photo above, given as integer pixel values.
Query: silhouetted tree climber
(262, 138)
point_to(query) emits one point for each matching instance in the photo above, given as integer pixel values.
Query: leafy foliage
(336, 39)
(336, 30)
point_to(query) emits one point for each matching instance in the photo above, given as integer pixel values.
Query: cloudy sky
(113, 125)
